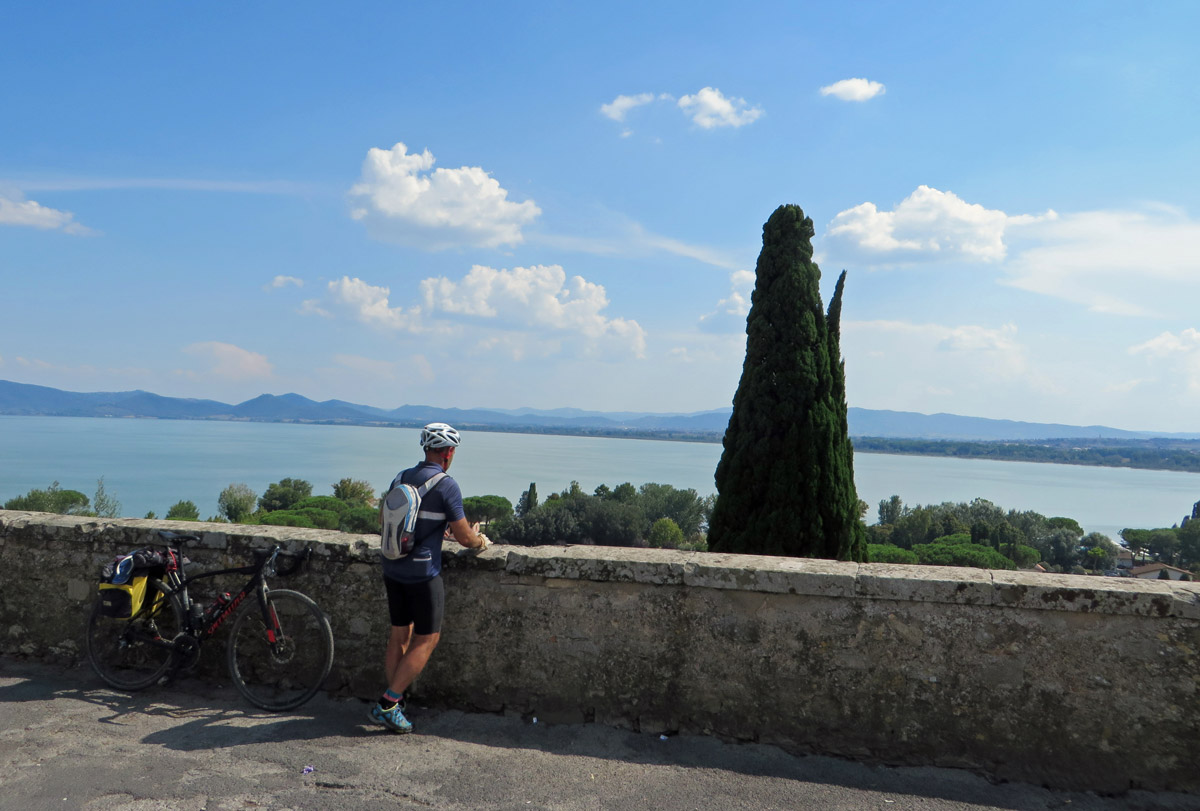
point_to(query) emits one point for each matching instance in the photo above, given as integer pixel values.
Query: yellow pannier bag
(123, 601)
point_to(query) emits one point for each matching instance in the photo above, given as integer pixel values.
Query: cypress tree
(785, 482)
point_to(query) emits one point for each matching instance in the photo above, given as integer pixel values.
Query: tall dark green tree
(785, 482)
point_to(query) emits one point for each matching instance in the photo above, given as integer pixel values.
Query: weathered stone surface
(1080, 682)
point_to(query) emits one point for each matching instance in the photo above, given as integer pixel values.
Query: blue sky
(545, 205)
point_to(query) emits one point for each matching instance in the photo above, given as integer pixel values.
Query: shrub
(183, 511)
(360, 521)
(890, 553)
(665, 534)
(321, 519)
(285, 518)
(960, 554)
(321, 503)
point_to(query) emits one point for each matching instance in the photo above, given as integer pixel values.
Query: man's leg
(412, 661)
(397, 645)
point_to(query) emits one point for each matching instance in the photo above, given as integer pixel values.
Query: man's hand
(484, 541)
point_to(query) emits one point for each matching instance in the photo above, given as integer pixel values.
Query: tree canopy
(785, 481)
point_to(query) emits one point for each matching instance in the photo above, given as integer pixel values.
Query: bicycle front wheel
(280, 661)
(134, 653)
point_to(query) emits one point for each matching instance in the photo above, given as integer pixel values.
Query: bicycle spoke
(131, 654)
(279, 666)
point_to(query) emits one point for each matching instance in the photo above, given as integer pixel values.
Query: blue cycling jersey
(444, 504)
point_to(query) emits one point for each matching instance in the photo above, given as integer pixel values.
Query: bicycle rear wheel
(284, 673)
(134, 653)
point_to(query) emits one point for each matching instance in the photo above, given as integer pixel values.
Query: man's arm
(468, 535)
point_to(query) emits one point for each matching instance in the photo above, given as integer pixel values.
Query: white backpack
(401, 509)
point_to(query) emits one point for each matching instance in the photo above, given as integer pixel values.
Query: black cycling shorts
(421, 605)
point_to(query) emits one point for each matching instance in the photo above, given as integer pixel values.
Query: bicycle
(280, 645)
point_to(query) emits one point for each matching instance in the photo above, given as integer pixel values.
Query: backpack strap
(432, 482)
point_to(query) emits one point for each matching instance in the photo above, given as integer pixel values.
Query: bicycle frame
(178, 585)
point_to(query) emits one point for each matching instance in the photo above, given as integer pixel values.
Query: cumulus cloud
(709, 108)
(621, 105)
(400, 198)
(536, 308)
(988, 352)
(369, 304)
(854, 89)
(928, 224)
(31, 214)
(540, 296)
(284, 281)
(229, 361)
(731, 311)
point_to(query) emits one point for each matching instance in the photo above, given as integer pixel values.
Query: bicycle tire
(132, 654)
(284, 674)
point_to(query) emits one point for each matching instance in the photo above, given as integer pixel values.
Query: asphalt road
(66, 742)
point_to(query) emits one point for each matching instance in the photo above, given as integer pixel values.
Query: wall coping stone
(669, 567)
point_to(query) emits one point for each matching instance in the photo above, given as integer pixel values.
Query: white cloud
(284, 281)
(621, 105)
(540, 297)
(400, 198)
(854, 89)
(709, 109)
(1169, 343)
(229, 361)
(928, 224)
(1178, 353)
(369, 304)
(731, 311)
(521, 311)
(1140, 263)
(31, 214)
(948, 356)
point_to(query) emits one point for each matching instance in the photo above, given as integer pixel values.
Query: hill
(28, 400)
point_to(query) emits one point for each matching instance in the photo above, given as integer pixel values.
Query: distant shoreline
(1182, 456)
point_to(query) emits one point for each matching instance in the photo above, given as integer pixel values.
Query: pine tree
(785, 481)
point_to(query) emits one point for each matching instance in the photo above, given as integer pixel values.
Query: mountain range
(23, 399)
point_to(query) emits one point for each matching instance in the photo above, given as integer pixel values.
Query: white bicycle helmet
(439, 435)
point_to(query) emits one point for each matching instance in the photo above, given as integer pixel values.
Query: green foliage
(104, 505)
(1099, 553)
(183, 511)
(321, 519)
(528, 501)
(665, 534)
(1189, 543)
(360, 521)
(891, 510)
(329, 503)
(354, 492)
(684, 507)
(538, 528)
(786, 476)
(485, 509)
(1026, 557)
(284, 494)
(286, 518)
(1150, 454)
(51, 500)
(889, 553)
(961, 554)
(236, 502)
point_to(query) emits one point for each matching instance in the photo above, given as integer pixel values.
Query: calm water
(151, 464)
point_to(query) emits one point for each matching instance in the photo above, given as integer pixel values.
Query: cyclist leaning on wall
(415, 592)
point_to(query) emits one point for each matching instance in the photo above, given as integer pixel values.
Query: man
(416, 596)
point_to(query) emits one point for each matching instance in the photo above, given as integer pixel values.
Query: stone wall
(1071, 681)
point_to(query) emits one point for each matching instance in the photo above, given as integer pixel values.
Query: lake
(151, 464)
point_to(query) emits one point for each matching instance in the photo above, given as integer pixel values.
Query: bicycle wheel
(283, 674)
(134, 653)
